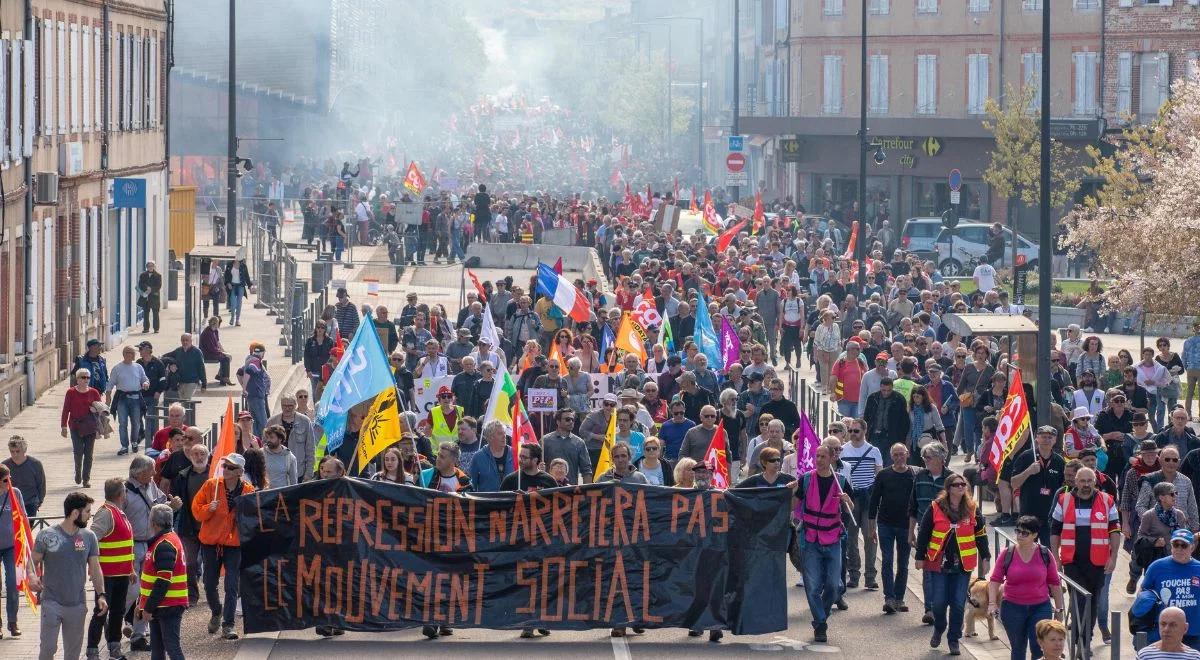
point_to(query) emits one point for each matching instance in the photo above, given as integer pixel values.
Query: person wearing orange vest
(214, 508)
(1085, 534)
(115, 532)
(162, 586)
(951, 544)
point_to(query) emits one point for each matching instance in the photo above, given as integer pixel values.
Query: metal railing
(813, 403)
(1078, 611)
(280, 289)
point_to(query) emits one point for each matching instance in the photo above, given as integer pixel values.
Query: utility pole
(860, 245)
(737, 51)
(1045, 271)
(231, 181)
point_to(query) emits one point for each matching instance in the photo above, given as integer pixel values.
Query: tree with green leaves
(1015, 170)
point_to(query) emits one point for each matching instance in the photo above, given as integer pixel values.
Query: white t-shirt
(653, 477)
(985, 275)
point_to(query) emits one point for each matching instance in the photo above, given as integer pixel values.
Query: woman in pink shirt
(1030, 577)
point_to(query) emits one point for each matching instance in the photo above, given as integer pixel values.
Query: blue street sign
(955, 180)
(737, 142)
(129, 193)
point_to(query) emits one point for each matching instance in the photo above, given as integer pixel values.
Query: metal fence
(1079, 608)
(812, 403)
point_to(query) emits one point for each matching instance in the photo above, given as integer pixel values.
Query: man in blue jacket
(488, 466)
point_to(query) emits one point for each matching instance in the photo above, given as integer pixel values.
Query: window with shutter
(48, 264)
(1031, 5)
(1124, 84)
(1191, 68)
(1031, 68)
(4, 102)
(49, 74)
(94, 278)
(73, 78)
(878, 75)
(128, 84)
(977, 82)
(980, 5)
(35, 273)
(156, 81)
(85, 79)
(833, 7)
(879, 7)
(1087, 4)
(832, 96)
(29, 84)
(927, 84)
(61, 78)
(136, 92)
(98, 75)
(927, 6)
(16, 87)
(1153, 83)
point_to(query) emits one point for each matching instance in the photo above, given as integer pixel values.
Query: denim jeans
(214, 558)
(1019, 622)
(970, 430)
(237, 292)
(893, 544)
(846, 408)
(165, 628)
(258, 409)
(456, 249)
(339, 244)
(1163, 407)
(12, 596)
(949, 593)
(1102, 618)
(1153, 404)
(822, 575)
(129, 413)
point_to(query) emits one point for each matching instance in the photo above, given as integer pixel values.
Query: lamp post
(231, 176)
(1045, 270)
(864, 145)
(737, 51)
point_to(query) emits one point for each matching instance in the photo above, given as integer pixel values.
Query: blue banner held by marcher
(705, 335)
(362, 373)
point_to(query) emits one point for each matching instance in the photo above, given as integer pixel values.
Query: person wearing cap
(1169, 471)
(1114, 424)
(1174, 577)
(458, 349)
(1038, 473)
(214, 508)
(346, 314)
(1156, 526)
(257, 385)
(442, 419)
(594, 428)
(870, 381)
(486, 352)
(94, 362)
(1085, 534)
(156, 373)
(845, 378)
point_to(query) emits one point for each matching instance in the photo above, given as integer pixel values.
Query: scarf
(918, 425)
(1166, 516)
(1141, 468)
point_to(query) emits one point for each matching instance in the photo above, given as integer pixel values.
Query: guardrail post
(1115, 626)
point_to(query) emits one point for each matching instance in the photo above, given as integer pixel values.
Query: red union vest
(964, 535)
(177, 593)
(116, 548)
(822, 520)
(1099, 521)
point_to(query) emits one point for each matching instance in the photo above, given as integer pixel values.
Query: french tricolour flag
(564, 294)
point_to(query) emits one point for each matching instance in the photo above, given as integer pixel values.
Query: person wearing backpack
(1030, 578)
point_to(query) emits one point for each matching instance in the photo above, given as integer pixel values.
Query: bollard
(1115, 627)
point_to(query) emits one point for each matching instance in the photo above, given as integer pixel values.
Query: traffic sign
(737, 142)
(791, 150)
(741, 178)
(955, 180)
(735, 162)
(950, 218)
(955, 197)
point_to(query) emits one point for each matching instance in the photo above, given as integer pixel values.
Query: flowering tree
(1143, 224)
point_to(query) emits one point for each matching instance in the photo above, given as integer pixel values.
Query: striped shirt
(860, 464)
(1153, 653)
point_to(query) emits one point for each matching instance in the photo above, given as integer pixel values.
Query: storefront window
(836, 196)
(932, 197)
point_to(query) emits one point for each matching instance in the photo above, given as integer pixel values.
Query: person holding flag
(360, 375)
(14, 547)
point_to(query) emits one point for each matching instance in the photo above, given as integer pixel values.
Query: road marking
(620, 649)
(780, 643)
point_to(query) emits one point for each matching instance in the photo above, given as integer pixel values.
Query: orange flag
(718, 459)
(556, 355)
(225, 442)
(760, 218)
(631, 338)
(22, 549)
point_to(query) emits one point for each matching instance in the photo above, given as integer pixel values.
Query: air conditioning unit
(45, 189)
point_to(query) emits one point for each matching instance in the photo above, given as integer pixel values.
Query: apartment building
(82, 107)
(1147, 45)
(932, 65)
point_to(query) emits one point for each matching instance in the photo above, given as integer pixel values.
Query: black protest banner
(372, 556)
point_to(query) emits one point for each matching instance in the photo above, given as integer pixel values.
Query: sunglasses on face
(958, 484)
(772, 460)
(708, 416)
(444, 396)
(649, 449)
(1024, 532)
(301, 396)
(1169, 460)
(610, 405)
(1179, 544)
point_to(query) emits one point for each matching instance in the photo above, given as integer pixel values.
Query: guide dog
(977, 607)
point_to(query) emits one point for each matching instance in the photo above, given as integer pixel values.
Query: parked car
(971, 244)
(919, 235)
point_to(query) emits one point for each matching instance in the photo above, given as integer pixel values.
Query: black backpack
(1010, 551)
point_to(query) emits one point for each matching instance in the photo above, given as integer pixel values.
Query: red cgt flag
(717, 457)
(414, 180)
(760, 218)
(523, 433)
(478, 287)
(1013, 424)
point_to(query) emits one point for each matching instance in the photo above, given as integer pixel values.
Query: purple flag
(731, 346)
(807, 442)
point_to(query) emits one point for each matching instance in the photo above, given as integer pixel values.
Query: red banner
(1013, 424)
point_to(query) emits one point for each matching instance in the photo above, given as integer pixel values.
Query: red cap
(444, 389)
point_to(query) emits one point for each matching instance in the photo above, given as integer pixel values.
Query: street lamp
(1045, 257)
(231, 177)
(864, 146)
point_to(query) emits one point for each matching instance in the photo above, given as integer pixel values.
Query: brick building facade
(1147, 45)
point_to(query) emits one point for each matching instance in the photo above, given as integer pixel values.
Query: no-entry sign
(735, 162)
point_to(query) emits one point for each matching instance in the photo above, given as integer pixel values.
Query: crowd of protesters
(1116, 466)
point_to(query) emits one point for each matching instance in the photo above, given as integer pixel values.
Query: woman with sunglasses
(1029, 575)
(952, 541)
(1157, 525)
(770, 461)
(589, 359)
(653, 465)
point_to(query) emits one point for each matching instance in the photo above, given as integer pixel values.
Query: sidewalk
(39, 424)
